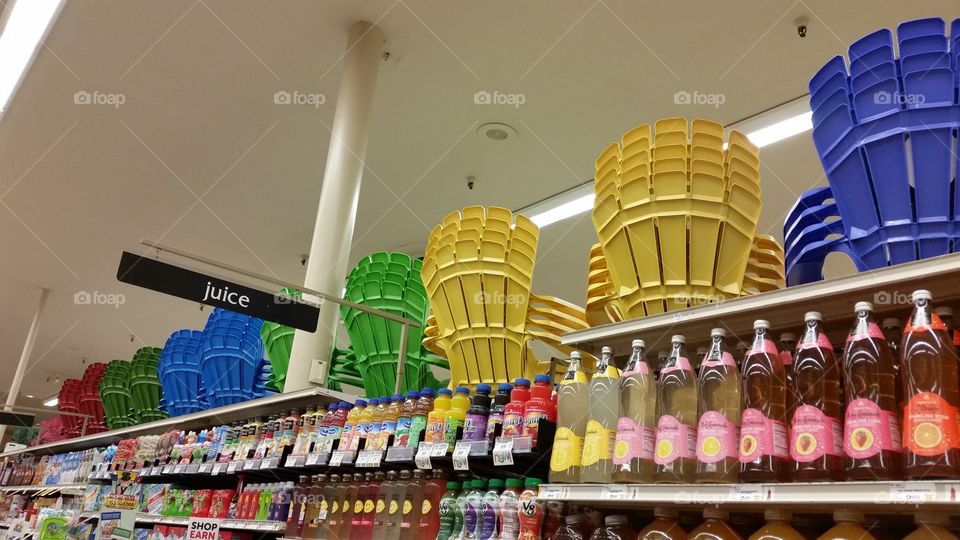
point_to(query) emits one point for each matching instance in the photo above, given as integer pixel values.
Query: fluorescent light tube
(782, 129)
(52, 402)
(26, 25)
(563, 205)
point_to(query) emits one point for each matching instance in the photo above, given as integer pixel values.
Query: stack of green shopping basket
(115, 395)
(146, 392)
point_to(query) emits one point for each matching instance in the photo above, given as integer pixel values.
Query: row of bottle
(776, 417)
(493, 510)
(265, 502)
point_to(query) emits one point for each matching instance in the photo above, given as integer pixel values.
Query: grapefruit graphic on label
(710, 446)
(806, 444)
(748, 445)
(861, 439)
(927, 435)
(621, 449)
(664, 448)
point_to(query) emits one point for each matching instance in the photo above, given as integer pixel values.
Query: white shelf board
(784, 308)
(231, 524)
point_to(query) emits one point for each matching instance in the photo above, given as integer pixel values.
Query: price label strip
(439, 450)
(553, 492)
(747, 493)
(461, 454)
(193, 468)
(422, 459)
(616, 493)
(336, 459)
(215, 470)
(178, 469)
(503, 452)
(913, 492)
(369, 458)
(232, 466)
(251, 464)
(269, 463)
(312, 459)
(167, 469)
(205, 468)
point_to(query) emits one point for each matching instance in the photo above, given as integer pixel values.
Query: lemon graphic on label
(358, 507)
(664, 448)
(861, 439)
(621, 449)
(560, 460)
(425, 508)
(748, 445)
(380, 506)
(710, 446)
(927, 435)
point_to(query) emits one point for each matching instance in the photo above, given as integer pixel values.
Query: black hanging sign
(8, 418)
(214, 291)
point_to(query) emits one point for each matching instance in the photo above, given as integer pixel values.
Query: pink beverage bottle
(514, 411)
(539, 407)
(764, 455)
(337, 421)
(323, 427)
(816, 429)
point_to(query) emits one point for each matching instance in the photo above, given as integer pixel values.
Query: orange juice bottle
(930, 386)
(816, 432)
(376, 421)
(931, 526)
(714, 527)
(763, 429)
(777, 527)
(718, 430)
(391, 416)
(675, 447)
(664, 526)
(848, 525)
(435, 420)
(871, 428)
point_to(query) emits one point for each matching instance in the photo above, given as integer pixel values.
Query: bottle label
(640, 368)
(936, 323)
(381, 504)
(531, 422)
(512, 425)
(632, 442)
(407, 507)
(681, 363)
(768, 347)
(823, 342)
(435, 431)
(417, 426)
(470, 518)
(335, 508)
(492, 422)
(761, 436)
(786, 358)
(566, 450)
(873, 332)
(387, 429)
(425, 507)
(929, 425)
(813, 435)
(726, 359)
(394, 507)
(530, 518)
(716, 437)
(450, 433)
(475, 427)
(403, 431)
(674, 440)
(597, 443)
(868, 429)
(358, 507)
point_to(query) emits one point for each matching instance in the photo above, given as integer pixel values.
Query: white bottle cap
(921, 294)
(812, 316)
(761, 323)
(638, 343)
(678, 338)
(606, 350)
(575, 354)
(715, 513)
(943, 311)
(718, 332)
(863, 306)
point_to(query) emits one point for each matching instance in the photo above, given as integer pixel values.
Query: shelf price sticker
(369, 458)
(269, 463)
(293, 461)
(616, 493)
(312, 459)
(251, 464)
(913, 492)
(215, 470)
(748, 493)
(336, 459)
(461, 453)
(192, 468)
(503, 452)
(233, 466)
(553, 492)
(422, 459)
(178, 469)
(168, 468)
(205, 468)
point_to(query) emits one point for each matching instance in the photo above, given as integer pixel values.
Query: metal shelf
(879, 497)
(200, 420)
(231, 524)
(888, 288)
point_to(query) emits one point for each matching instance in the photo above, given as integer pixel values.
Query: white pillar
(25, 355)
(333, 231)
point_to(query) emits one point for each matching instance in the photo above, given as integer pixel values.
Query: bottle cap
(863, 306)
(346, 406)
(575, 354)
(427, 392)
(483, 388)
(521, 382)
(397, 397)
(928, 517)
(413, 394)
(788, 337)
(943, 311)
(463, 390)
(542, 378)
(445, 392)
(678, 338)
(504, 387)
(812, 316)
(495, 483)
(531, 482)
(374, 402)
(718, 332)
(514, 483)
(761, 323)
(716, 513)
(891, 322)
(615, 519)
(332, 406)
(361, 403)
(453, 485)
(846, 514)
(921, 294)
(638, 343)
(606, 350)
(665, 512)
(573, 519)
(776, 514)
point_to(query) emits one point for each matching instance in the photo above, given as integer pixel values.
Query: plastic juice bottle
(332, 526)
(412, 504)
(419, 420)
(930, 388)
(615, 527)
(365, 425)
(306, 419)
(446, 512)
(471, 510)
(571, 424)
(513, 412)
(675, 449)
(297, 507)
(456, 416)
(395, 505)
(288, 435)
(871, 428)
(376, 421)
(348, 497)
(816, 432)
(714, 527)
(427, 522)
(386, 494)
(893, 333)
(458, 510)
(777, 527)
(788, 346)
(531, 513)
(633, 447)
(322, 428)
(475, 424)
(405, 419)
(436, 420)
(848, 526)
(351, 428)
(489, 526)
(539, 407)
(763, 429)
(664, 526)
(497, 408)
(509, 510)
(337, 424)
(311, 521)
(931, 526)
(601, 433)
(388, 428)
(365, 507)
(718, 430)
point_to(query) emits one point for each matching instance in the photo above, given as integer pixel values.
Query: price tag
(422, 459)
(439, 450)
(503, 452)
(251, 464)
(215, 470)
(616, 493)
(192, 468)
(336, 459)
(232, 467)
(205, 468)
(552, 492)
(167, 469)
(913, 492)
(748, 493)
(178, 469)
(146, 472)
(269, 463)
(293, 461)
(312, 459)
(369, 458)
(460, 457)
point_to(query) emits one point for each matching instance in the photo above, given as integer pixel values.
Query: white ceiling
(80, 183)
